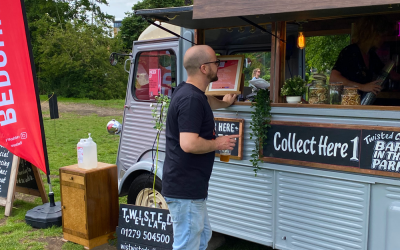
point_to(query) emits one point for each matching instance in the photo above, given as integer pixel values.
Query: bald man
(190, 149)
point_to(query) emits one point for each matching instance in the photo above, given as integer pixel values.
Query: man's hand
(226, 142)
(229, 98)
(227, 101)
(371, 87)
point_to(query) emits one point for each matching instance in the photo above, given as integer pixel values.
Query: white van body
(285, 206)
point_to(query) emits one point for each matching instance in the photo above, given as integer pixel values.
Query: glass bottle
(335, 93)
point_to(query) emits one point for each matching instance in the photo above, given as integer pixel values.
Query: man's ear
(203, 69)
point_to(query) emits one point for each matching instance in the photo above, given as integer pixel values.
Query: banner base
(45, 216)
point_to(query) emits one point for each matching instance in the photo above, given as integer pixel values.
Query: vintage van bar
(344, 196)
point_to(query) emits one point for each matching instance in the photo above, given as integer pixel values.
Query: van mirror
(114, 57)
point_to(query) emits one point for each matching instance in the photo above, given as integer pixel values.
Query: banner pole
(28, 39)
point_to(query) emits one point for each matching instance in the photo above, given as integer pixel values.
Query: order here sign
(20, 115)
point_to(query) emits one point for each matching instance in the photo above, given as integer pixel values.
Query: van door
(156, 67)
(153, 61)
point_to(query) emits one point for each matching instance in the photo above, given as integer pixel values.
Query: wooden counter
(304, 105)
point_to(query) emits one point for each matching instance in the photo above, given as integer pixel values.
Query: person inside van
(358, 64)
(256, 74)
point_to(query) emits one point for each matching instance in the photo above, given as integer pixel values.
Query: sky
(118, 8)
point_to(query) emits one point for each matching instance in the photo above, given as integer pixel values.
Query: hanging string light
(301, 40)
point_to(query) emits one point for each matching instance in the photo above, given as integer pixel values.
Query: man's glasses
(217, 62)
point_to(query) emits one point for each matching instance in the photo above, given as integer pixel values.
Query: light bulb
(301, 41)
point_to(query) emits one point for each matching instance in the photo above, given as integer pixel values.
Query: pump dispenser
(87, 153)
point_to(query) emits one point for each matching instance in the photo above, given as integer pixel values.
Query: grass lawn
(62, 135)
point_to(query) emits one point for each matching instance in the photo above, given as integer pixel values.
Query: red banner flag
(21, 126)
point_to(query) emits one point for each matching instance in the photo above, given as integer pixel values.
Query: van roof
(153, 32)
(183, 16)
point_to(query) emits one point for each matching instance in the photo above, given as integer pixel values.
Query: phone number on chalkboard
(156, 237)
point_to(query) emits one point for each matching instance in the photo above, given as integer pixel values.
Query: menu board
(381, 150)
(144, 228)
(229, 126)
(26, 179)
(229, 76)
(227, 73)
(363, 149)
(6, 159)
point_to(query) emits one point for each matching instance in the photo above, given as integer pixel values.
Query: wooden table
(89, 201)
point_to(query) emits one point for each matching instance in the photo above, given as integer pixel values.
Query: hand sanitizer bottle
(87, 153)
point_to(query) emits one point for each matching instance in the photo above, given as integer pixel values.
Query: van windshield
(155, 74)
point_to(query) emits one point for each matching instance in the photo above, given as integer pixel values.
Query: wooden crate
(89, 201)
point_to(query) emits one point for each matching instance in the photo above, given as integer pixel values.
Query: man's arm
(227, 101)
(193, 143)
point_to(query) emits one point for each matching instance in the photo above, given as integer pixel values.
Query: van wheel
(141, 192)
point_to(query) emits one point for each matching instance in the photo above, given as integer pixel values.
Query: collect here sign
(363, 149)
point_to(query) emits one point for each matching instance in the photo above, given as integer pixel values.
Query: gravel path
(83, 109)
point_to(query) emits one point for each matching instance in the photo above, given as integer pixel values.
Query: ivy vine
(159, 113)
(260, 122)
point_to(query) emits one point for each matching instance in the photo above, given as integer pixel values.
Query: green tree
(71, 43)
(44, 13)
(322, 51)
(74, 63)
(133, 25)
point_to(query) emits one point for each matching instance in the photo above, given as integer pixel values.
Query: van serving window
(155, 73)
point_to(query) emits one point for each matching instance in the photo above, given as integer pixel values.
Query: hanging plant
(159, 113)
(260, 122)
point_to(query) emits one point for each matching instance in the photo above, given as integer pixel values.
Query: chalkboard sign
(6, 159)
(22, 177)
(380, 150)
(26, 177)
(229, 126)
(363, 149)
(144, 228)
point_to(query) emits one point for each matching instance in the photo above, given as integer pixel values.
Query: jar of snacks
(318, 92)
(350, 90)
(335, 93)
(350, 96)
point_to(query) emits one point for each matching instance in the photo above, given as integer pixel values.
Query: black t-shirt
(186, 175)
(351, 65)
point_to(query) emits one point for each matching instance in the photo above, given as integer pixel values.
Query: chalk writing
(5, 170)
(144, 228)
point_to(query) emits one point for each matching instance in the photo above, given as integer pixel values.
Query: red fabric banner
(20, 123)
